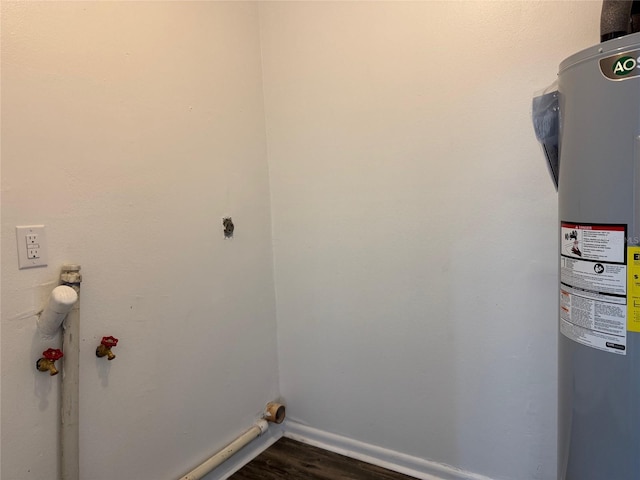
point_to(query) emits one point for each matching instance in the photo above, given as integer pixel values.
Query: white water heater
(590, 129)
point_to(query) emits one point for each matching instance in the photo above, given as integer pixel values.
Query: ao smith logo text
(622, 66)
(625, 66)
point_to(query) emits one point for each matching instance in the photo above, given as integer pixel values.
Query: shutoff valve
(47, 362)
(104, 349)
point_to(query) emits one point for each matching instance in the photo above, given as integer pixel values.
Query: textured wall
(415, 223)
(130, 129)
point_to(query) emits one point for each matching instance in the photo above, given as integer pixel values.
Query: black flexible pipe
(635, 17)
(615, 20)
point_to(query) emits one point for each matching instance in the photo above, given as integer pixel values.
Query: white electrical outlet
(32, 246)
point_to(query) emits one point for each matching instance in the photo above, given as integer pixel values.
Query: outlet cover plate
(32, 246)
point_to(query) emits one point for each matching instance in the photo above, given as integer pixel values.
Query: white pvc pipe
(208, 465)
(61, 300)
(69, 414)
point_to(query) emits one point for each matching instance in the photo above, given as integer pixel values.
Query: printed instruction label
(633, 286)
(593, 285)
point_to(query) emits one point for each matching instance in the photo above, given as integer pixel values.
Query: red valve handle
(53, 354)
(109, 341)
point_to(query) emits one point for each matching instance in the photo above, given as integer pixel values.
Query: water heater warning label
(593, 285)
(633, 311)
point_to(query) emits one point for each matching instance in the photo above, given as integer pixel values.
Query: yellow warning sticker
(633, 289)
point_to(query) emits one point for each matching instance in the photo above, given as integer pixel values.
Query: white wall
(415, 224)
(130, 129)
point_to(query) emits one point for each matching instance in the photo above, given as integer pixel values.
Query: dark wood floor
(291, 460)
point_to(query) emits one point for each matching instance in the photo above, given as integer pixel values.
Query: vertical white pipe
(69, 415)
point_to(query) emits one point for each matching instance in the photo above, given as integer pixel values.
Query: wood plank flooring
(291, 460)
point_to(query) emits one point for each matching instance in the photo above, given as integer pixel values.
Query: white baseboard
(382, 457)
